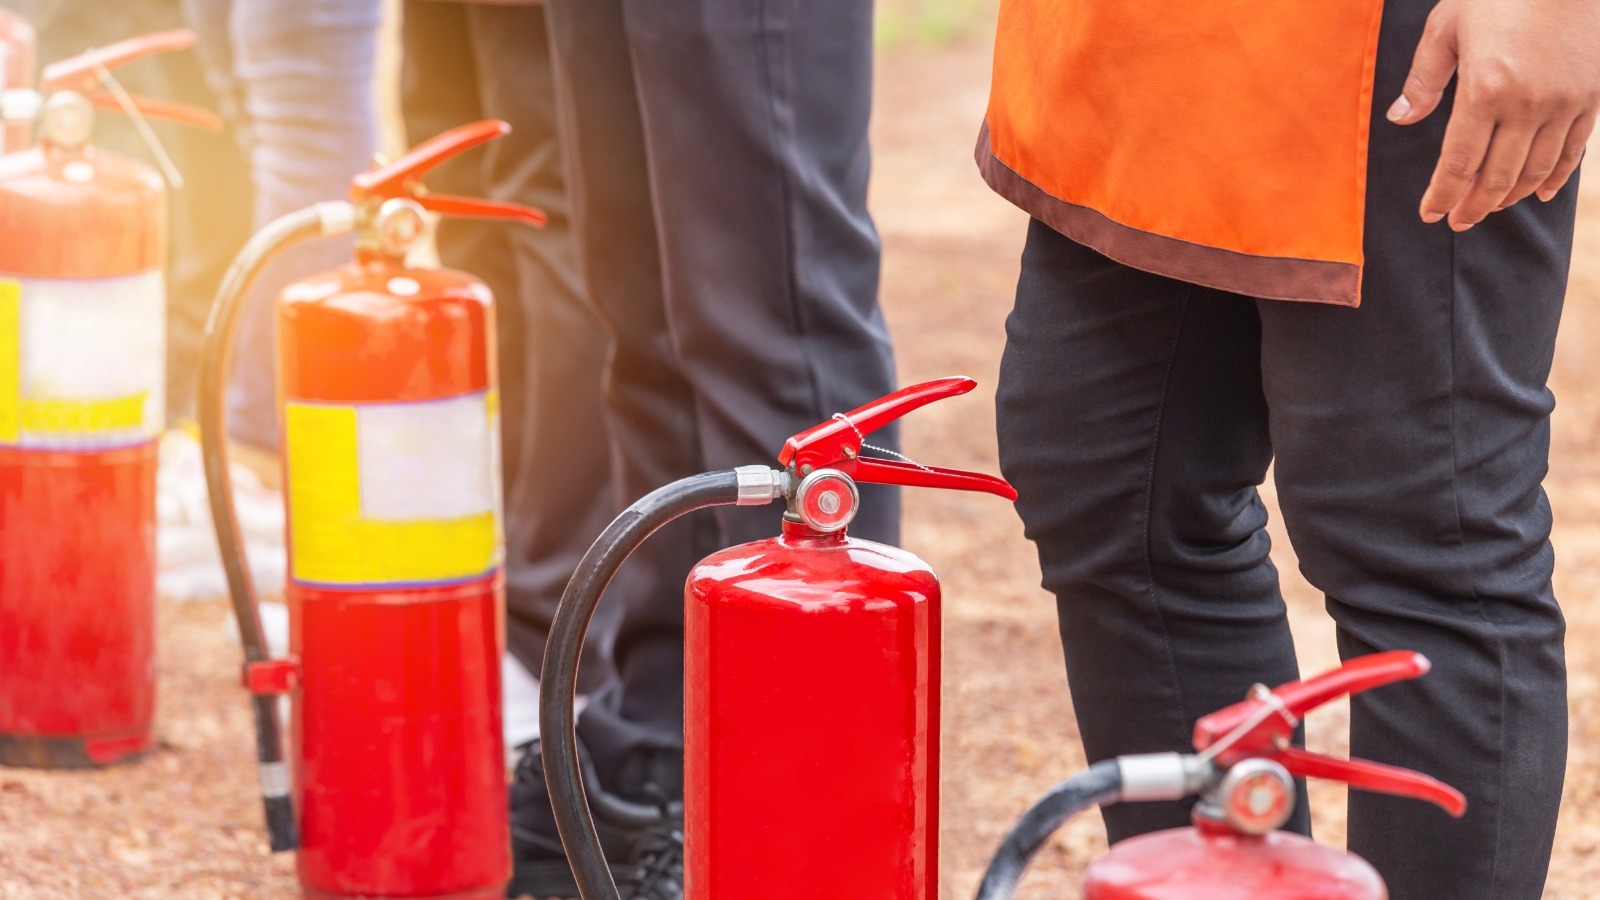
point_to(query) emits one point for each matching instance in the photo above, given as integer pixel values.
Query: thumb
(1431, 68)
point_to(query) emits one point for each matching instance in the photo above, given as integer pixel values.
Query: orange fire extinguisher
(811, 680)
(1242, 771)
(82, 399)
(395, 785)
(18, 44)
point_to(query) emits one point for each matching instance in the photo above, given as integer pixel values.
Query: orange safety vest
(1223, 142)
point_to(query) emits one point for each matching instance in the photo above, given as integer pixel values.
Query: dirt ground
(184, 822)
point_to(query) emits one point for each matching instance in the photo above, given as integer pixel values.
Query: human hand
(1528, 86)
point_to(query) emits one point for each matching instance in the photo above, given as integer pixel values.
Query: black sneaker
(643, 843)
(652, 868)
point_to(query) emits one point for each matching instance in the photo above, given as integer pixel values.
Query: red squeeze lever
(1261, 726)
(836, 444)
(82, 73)
(402, 178)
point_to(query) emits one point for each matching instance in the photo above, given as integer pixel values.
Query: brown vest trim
(1270, 278)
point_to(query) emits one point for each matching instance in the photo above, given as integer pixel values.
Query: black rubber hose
(558, 679)
(1099, 785)
(215, 356)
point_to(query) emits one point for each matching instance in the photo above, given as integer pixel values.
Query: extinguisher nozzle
(280, 823)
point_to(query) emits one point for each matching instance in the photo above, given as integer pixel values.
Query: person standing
(463, 61)
(1246, 250)
(718, 163)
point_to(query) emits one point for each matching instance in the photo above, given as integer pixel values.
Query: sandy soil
(183, 823)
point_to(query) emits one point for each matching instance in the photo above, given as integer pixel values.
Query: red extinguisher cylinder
(1243, 776)
(1217, 864)
(82, 403)
(812, 721)
(394, 782)
(394, 596)
(82, 324)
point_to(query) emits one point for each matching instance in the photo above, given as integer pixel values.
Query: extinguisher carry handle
(399, 177)
(84, 73)
(1266, 721)
(837, 443)
(1378, 778)
(403, 177)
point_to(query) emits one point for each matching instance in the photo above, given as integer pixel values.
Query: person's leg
(440, 88)
(305, 72)
(650, 405)
(440, 85)
(755, 119)
(1132, 424)
(719, 171)
(1412, 436)
(558, 493)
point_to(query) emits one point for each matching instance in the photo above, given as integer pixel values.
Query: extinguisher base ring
(85, 752)
(497, 892)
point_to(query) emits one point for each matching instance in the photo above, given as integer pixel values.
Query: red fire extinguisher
(82, 384)
(811, 680)
(1243, 772)
(390, 452)
(17, 47)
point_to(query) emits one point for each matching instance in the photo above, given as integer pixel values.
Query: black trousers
(463, 62)
(717, 152)
(1137, 415)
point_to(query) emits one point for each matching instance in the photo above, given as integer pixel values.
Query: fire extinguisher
(18, 45)
(1243, 773)
(811, 675)
(390, 452)
(82, 401)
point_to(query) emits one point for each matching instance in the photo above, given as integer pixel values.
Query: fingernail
(1432, 217)
(1400, 109)
(1546, 195)
(1459, 227)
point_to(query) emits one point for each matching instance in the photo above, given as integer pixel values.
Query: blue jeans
(297, 78)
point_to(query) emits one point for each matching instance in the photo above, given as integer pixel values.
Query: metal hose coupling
(760, 485)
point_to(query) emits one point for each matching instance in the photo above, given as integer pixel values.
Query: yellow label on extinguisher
(82, 362)
(10, 361)
(393, 494)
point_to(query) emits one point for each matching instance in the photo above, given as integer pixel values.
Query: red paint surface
(77, 597)
(400, 768)
(346, 337)
(77, 529)
(399, 757)
(812, 722)
(1189, 864)
(83, 213)
(17, 48)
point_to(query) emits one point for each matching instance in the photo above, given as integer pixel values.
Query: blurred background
(185, 821)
